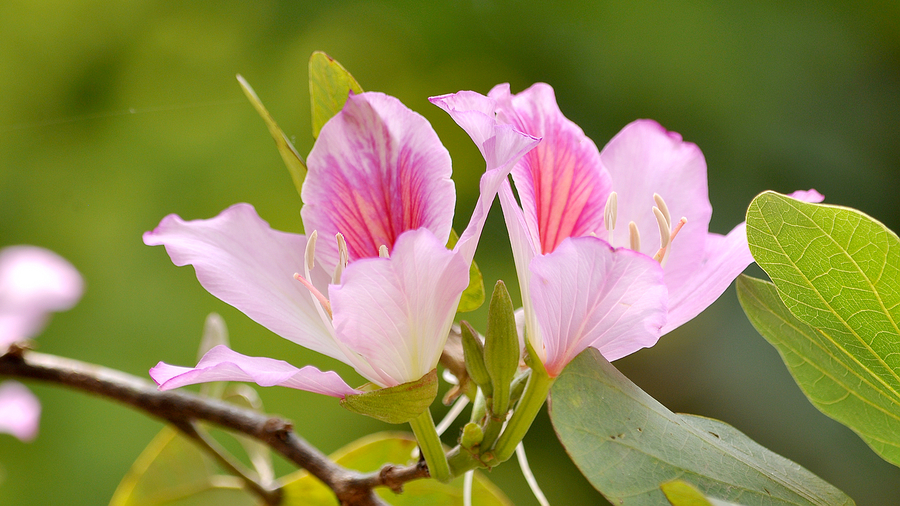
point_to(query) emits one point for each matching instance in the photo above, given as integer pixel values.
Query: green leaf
(172, 471)
(838, 271)
(370, 454)
(681, 493)
(398, 404)
(329, 86)
(292, 159)
(627, 444)
(473, 296)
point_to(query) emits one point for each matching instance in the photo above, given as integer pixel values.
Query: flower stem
(430, 444)
(532, 399)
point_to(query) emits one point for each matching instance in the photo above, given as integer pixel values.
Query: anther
(663, 227)
(311, 250)
(634, 236)
(610, 213)
(662, 255)
(343, 258)
(661, 204)
(326, 304)
(383, 252)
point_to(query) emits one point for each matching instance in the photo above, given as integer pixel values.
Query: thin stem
(529, 405)
(529, 476)
(430, 443)
(452, 415)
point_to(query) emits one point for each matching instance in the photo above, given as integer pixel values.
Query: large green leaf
(473, 296)
(329, 86)
(173, 471)
(834, 383)
(373, 452)
(838, 271)
(682, 493)
(292, 159)
(627, 445)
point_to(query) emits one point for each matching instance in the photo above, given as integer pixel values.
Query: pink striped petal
(223, 364)
(20, 411)
(242, 261)
(33, 282)
(587, 293)
(396, 312)
(561, 183)
(377, 170)
(643, 159)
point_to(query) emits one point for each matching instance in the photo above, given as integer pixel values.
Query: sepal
(398, 404)
(501, 347)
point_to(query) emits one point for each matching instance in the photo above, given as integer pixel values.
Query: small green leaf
(329, 86)
(681, 493)
(173, 471)
(501, 347)
(473, 350)
(292, 159)
(398, 404)
(370, 454)
(837, 271)
(627, 444)
(473, 296)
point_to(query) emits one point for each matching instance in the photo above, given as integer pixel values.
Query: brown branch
(182, 408)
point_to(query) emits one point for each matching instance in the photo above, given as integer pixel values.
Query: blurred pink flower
(384, 289)
(33, 283)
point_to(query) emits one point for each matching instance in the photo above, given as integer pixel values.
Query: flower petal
(644, 159)
(723, 259)
(242, 261)
(33, 282)
(561, 183)
(224, 364)
(396, 312)
(20, 411)
(587, 293)
(502, 146)
(377, 170)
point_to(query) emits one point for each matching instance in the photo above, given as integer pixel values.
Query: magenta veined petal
(377, 170)
(223, 364)
(561, 183)
(242, 261)
(396, 312)
(33, 282)
(20, 411)
(587, 293)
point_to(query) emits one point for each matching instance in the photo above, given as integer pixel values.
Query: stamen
(311, 250)
(634, 236)
(326, 304)
(662, 255)
(343, 259)
(611, 213)
(661, 204)
(452, 415)
(383, 252)
(663, 227)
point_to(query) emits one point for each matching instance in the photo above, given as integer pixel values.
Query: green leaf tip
(398, 404)
(294, 162)
(329, 86)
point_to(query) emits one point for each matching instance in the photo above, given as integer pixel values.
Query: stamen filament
(326, 304)
(529, 476)
(663, 254)
(634, 236)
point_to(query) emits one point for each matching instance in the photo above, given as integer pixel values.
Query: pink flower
(33, 283)
(383, 291)
(594, 239)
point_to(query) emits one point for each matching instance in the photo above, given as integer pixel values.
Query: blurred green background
(114, 114)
